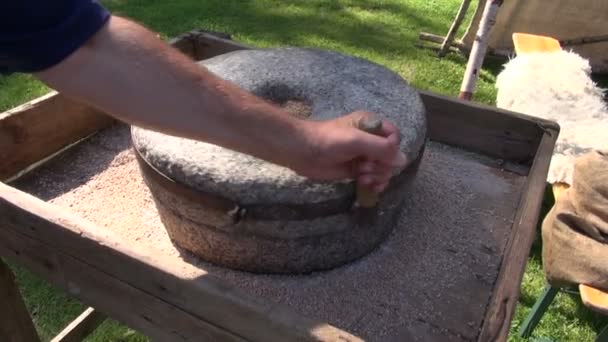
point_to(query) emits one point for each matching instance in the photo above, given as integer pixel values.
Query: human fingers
(375, 178)
(378, 188)
(383, 150)
(369, 146)
(374, 182)
(388, 129)
(366, 166)
(374, 167)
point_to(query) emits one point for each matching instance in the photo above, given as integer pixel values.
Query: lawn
(383, 31)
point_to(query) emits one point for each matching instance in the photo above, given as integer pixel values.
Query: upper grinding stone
(330, 83)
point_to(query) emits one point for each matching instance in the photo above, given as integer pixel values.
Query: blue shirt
(37, 34)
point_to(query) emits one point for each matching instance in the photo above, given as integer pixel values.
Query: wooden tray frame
(136, 286)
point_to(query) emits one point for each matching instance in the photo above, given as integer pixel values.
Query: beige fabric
(560, 19)
(575, 232)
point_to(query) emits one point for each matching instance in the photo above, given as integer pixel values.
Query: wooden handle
(373, 125)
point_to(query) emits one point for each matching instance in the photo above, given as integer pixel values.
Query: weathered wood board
(39, 128)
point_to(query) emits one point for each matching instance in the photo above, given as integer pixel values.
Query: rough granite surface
(332, 84)
(430, 281)
(279, 245)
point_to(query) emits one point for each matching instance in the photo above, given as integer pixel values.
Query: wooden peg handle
(373, 125)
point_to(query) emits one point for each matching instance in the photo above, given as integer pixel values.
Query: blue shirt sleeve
(37, 34)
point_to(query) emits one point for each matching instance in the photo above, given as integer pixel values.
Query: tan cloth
(575, 232)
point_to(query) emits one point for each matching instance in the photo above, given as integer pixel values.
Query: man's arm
(126, 71)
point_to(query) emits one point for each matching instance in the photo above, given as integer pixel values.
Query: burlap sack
(575, 232)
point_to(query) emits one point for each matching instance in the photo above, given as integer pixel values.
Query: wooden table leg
(81, 327)
(15, 322)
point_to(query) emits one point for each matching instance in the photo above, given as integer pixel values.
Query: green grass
(18, 88)
(383, 31)
(52, 310)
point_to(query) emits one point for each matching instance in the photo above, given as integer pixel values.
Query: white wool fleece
(557, 86)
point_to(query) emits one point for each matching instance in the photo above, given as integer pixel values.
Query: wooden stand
(16, 324)
(141, 288)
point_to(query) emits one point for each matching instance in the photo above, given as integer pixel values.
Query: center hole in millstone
(296, 108)
(290, 100)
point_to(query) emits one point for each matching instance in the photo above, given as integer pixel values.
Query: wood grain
(41, 127)
(501, 134)
(506, 292)
(131, 306)
(113, 276)
(81, 327)
(15, 322)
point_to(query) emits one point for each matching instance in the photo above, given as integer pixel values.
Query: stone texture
(283, 245)
(314, 85)
(331, 84)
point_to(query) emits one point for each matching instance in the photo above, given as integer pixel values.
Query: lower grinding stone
(244, 213)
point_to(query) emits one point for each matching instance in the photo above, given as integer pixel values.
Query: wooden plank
(109, 268)
(41, 127)
(506, 292)
(150, 315)
(81, 327)
(430, 37)
(15, 322)
(484, 129)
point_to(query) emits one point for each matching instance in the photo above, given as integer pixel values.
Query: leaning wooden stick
(449, 38)
(479, 48)
(373, 125)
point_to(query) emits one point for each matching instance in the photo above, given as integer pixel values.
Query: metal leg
(542, 339)
(603, 335)
(538, 310)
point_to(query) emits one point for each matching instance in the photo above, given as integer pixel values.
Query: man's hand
(341, 151)
(129, 73)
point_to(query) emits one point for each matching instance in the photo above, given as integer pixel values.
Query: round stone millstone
(241, 212)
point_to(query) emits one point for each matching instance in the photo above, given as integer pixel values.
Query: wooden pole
(81, 327)
(435, 38)
(479, 48)
(449, 38)
(15, 322)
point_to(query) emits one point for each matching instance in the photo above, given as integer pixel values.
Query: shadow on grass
(382, 27)
(52, 310)
(385, 32)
